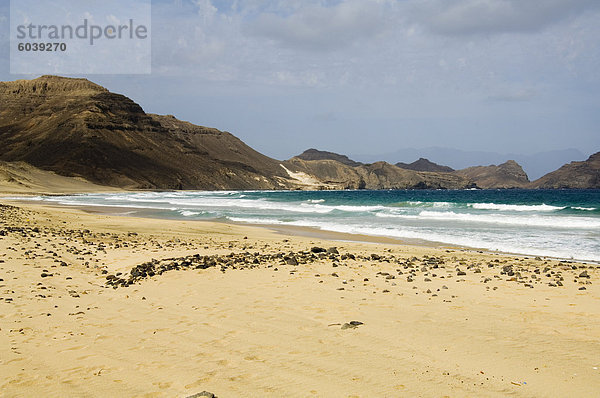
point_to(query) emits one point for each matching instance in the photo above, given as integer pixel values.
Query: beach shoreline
(270, 317)
(293, 230)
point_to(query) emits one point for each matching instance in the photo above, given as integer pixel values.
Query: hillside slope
(22, 178)
(507, 175)
(77, 128)
(315, 154)
(579, 175)
(378, 175)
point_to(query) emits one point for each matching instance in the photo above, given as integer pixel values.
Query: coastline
(293, 230)
(435, 321)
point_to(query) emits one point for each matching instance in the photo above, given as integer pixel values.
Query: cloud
(320, 28)
(472, 17)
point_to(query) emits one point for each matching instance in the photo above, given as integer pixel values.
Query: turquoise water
(554, 223)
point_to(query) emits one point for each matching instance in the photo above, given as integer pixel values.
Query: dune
(22, 178)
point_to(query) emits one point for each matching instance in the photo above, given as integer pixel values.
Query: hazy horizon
(373, 77)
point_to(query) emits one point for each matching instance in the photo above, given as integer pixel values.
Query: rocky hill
(315, 154)
(76, 128)
(423, 164)
(378, 175)
(579, 175)
(507, 175)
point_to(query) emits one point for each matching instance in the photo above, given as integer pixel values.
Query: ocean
(562, 224)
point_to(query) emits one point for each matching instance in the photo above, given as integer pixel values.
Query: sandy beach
(104, 305)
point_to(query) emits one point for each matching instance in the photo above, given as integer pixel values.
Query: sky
(373, 76)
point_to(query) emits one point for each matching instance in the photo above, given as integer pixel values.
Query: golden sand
(274, 329)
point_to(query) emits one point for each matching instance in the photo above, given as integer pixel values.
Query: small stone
(291, 261)
(351, 325)
(204, 394)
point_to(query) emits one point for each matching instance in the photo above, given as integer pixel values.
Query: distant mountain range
(78, 129)
(536, 165)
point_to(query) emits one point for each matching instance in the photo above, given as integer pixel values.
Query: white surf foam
(505, 207)
(552, 249)
(502, 219)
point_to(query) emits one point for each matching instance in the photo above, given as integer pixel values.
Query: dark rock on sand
(584, 274)
(205, 394)
(351, 325)
(291, 260)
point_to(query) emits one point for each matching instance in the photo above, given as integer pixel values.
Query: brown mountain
(423, 164)
(584, 175)
(507, 175)
(77, 128)
(315, 154)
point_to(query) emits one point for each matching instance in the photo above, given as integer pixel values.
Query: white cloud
(206, 10)
(467, 17)
(320, 28)
(379, 44)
